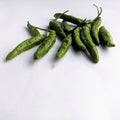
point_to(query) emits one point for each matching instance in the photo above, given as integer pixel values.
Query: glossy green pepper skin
(46, 45)
(66, 43)
(69, 18)
(72, 19)
(87, 40)
(58, 29)
(25, 45)
(105, 37)
(33, 30)
(66, 27)
(94, 30)
(77, 39)
(95, 26)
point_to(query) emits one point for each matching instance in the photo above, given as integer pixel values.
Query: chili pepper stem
(61, 15)
(78, 26)
(48, 30)
(98, 11)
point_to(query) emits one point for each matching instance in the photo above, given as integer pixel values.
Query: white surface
(71, 89)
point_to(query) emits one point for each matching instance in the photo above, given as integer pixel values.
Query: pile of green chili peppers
(84, 35)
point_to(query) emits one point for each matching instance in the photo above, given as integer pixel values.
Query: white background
(73, 88)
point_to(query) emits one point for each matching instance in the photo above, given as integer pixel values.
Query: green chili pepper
(25, 45)
(32, 29)
(66, 27)
(72, 19)
(58, 29)
(105, 37)
(54, 25)
(77, 39)
(67, 41)
(46, 45)
(87, 40)
(69, 18)
(94, 27)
